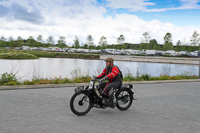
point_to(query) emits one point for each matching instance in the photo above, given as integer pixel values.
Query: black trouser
(109, 89)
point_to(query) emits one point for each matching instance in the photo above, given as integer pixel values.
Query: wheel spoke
(124, 100)
(80, 103)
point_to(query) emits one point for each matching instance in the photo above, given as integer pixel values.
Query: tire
(124, 97)
(79, 101)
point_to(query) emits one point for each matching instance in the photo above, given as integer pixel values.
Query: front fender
(80, 88)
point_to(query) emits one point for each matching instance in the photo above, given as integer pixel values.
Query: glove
(102, 79)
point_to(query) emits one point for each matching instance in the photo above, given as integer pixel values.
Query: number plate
(91, 85)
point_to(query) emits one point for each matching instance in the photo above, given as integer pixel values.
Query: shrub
(55, 81)
(7, 77)
(12, 83)
(145, 77)
(82, 79)
(129, 79)
(164, 77)
(44, 81)
(27, 82)
(153, 78)
(66, 80)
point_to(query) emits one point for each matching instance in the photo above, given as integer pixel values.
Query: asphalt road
(160, 108)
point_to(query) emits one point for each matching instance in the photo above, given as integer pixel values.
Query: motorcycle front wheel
(80, 103)
(124, 99)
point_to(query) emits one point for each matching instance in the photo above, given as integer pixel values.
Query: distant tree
(178, 46)
(76, 42)
(153, 44)
(10, 39)
(195, 39)
(85, 46)
(92, 47)
(39, 39)
(146, 37)
(168, 45)
(19, 41)
(90, 40)
(31, 41)
(61, 42)
(124, 46)
(98, 47)
(2, 41)
(103, 42)
(50, 41)
(144, 46)
(168, 38)
(19, 38)
(120, 39)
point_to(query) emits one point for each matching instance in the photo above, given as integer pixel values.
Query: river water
(63, 67)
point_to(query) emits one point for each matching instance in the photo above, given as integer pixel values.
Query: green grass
(147, 77)
(62, 55)
(17, 55)
(10, 79)
(35, 54)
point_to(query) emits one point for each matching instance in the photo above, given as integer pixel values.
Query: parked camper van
(151, 52)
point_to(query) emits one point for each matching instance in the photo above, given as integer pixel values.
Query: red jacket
(110, 73)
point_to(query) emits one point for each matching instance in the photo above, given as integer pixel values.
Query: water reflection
(50, 67)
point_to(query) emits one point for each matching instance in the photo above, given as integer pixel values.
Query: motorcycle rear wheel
(80, 103)
(124, 99)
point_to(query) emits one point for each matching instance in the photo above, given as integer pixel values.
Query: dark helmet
(111, 60)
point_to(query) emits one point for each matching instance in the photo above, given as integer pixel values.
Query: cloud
(136, 5)
(185, 4)
(14, 11)
(142, 5)
(21, 13)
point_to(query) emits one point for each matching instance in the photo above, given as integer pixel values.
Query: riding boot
(108, 97)
(112, 102)
(109, 101)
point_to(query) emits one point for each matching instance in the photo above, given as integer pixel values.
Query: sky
(109, 18)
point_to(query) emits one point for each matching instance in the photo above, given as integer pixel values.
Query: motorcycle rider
(114, 76)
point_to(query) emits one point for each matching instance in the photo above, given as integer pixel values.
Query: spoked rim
(81, 103)
(124, 100)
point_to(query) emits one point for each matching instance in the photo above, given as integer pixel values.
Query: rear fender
(127, 87)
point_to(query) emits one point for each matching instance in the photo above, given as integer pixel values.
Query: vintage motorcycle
(86, 97)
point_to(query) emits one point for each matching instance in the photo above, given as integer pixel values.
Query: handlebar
(98, 80)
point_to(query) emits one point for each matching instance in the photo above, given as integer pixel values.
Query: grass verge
(10, 79)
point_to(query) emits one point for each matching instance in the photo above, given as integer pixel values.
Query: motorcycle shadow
(110, 111)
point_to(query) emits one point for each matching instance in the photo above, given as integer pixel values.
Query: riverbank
(154, 59)
(17, 55)
(35, 54)
(14, 54)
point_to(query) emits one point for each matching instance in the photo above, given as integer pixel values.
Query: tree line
(146, 43)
